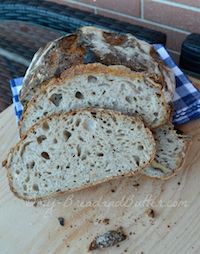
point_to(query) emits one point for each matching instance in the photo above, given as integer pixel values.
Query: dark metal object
(190, 54)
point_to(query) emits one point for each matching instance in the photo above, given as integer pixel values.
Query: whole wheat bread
(90, 45)
(97, 85)
(70, 151)
(171, 147)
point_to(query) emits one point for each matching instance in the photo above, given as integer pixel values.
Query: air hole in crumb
(155, 114)
(35, 187)
(77, 122)
(92, 78)
(55, 141)
(94, 114)
(45, 155)
(41, 138)
(56, 99)
(79, 95)
(45, 126)
(128, 99)
(137, 160)
(109, 131)
(25, 187)
(17, 172)
(66, 135)
(80, 138)
(30, 165)
(100, 154)
(93, 93)
(78, 150)
(83, 157)
(27, 179)
(140, 147)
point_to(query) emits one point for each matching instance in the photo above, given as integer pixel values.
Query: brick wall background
(176, 18)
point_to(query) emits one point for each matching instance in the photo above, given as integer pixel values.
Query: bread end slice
(171, 148)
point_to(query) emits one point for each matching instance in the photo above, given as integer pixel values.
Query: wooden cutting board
(27, 228)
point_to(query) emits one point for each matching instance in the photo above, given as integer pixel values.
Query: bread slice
(90, 45)
(70, 151)
(96, 85)
(171, 147)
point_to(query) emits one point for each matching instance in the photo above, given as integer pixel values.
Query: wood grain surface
(30, 228)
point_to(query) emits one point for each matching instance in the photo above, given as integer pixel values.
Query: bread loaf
(70, 151)
(90, 45)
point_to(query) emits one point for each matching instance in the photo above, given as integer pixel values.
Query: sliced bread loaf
(70, 151)
(96, 85)
(171, 148)
(90, 45)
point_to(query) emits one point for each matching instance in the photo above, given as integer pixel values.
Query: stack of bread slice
(97, 106)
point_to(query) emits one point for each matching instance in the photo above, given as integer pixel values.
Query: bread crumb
(106, 221)
(110, 238)
(61, 221)
(150, 212)
(136, 185)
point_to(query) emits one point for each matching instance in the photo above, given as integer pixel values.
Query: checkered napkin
(186, 99)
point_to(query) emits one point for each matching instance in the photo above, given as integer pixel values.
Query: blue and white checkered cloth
(186, 99)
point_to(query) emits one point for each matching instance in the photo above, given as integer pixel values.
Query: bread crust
(50, 61)
(94, 69)
(103, 111)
